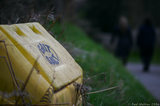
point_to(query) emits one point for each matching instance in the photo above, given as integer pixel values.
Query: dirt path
(150, 80)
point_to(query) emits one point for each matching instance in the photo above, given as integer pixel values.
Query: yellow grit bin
(35, 68)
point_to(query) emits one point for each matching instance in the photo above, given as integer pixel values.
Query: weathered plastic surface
(24, 46)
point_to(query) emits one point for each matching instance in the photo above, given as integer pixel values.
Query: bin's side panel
(36, 85)
(19, 37)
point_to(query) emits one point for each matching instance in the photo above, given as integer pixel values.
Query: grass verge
(101, 69)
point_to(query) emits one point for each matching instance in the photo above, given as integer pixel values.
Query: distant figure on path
(145, 41)
(124, 36)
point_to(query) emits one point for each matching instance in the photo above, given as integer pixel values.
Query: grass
(135, 56)
(103, 69)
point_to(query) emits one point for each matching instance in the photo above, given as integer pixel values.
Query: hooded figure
(145, 42)
(124, 36)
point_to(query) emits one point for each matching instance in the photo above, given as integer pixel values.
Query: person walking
(124, 40)
(145, 42)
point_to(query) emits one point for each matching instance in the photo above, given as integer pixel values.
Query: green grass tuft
(135, 56)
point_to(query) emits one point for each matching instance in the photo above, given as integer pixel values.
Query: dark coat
(124, 43)
(146, 37)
